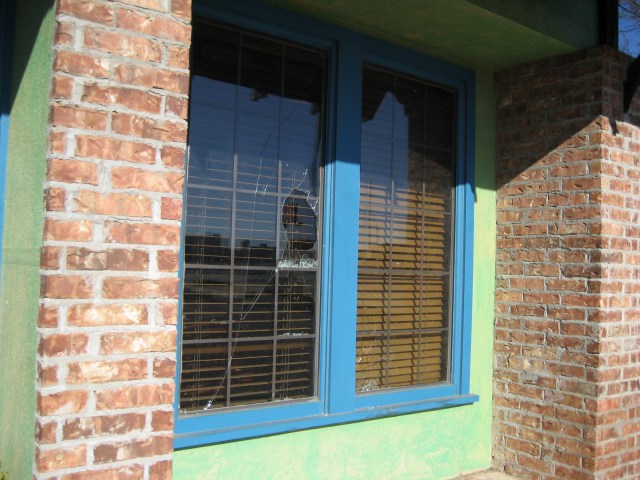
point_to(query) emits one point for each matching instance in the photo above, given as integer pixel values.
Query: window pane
(250, 279)
(405, 236)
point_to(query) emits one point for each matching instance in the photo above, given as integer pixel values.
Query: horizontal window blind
(251, 260)
(405, 232)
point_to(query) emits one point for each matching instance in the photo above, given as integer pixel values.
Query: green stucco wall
(22, 236)
(426, 446)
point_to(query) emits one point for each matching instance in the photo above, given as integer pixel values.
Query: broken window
(312, 150)
(251, 255)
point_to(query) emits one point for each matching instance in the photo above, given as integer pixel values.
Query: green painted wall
(426, 446)
(23, 204)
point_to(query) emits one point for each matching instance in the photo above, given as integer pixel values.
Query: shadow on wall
(21, 24)
(546, 108)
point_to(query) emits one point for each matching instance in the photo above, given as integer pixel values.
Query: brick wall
(567, 394)
(107, 335)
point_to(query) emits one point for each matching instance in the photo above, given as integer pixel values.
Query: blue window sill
(187, 439)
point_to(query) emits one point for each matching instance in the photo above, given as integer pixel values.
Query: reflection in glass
(256, 137)
(405, 232)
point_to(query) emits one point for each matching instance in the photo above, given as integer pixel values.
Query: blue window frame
(334, 397)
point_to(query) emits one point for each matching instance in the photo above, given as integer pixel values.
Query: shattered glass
(251, 244)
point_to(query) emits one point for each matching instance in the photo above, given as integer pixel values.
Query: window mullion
(342, 230)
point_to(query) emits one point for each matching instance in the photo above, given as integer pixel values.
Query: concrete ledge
(486, 475)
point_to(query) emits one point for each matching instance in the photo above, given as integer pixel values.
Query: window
(405, 242)
(249, 310)
(327, 231)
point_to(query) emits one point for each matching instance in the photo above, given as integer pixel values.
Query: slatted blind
(405, 232)
(250, 278)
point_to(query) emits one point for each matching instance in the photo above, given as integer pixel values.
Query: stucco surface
(431, 445)
(23, 235)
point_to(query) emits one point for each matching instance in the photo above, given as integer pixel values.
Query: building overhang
(491, 34)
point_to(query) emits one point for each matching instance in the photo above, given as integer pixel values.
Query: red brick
(87, 10)
(157, 5)
(46, 432)
(85, 259)
(138, 287)
(525, 447)
(162, 420)
(134, 99)
(47, 317)
(175, 82)
(160, 470)
(127, 259)
(65, 33)
(114, 204)
(58, 142)
(119, 44)
(105, 315)
(135, 396)
(59, 458)
(567, 285)
(66, 286)
(123, 472)
(535, 464)
(133, 178)
(75, 117)
(62, 87)
(168, 313)
(55, 199)
(103, 425)
(172, 157)
(177, 106)
(107, 371)
(181, 8)
(142, 233)
(167, 260)
(138, 126)
(138, 342)
(50, 258)
(73, 171)
(164, 367)
(114, 149)
(63, 344)
(571, 473)
(48, 375)
(153, 25)
(80, 64)
(133, 449)
(178, 56)
(76, 231)
(171, 209)
(63, 403)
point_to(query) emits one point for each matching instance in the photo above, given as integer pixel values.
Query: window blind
(405, 232)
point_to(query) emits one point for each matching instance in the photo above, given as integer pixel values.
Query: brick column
(107, 335)
(567, 395)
